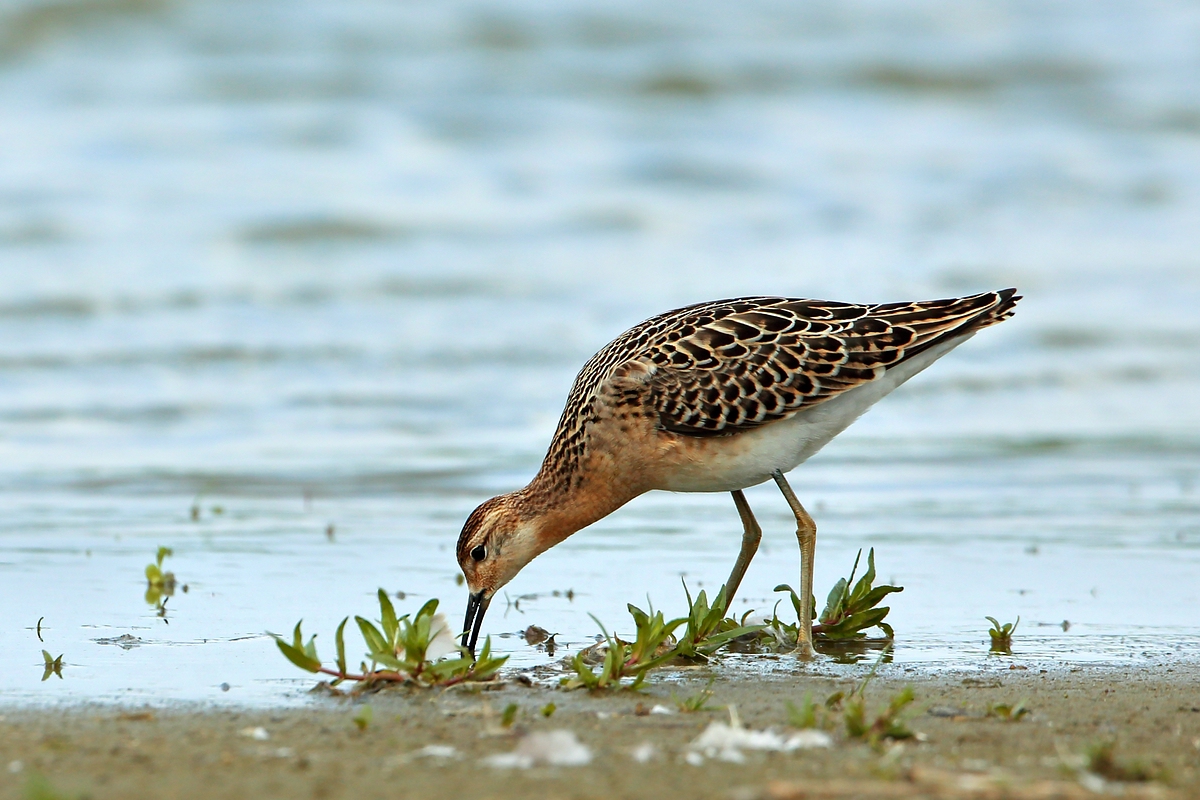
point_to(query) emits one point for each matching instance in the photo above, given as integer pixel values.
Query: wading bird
(715, 397)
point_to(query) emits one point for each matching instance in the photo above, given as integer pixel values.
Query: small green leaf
(873, 597)
(376, 645)
(390, 661)
(864, 583)
(387, 617)
(297, 656)
(509, 716)
(486, 665)
(640, 618)
(428, 610)
(364, 716)
(340, 638)
(835, 602)
(783, 587)
(805, 716)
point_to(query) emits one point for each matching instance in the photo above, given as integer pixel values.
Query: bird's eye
(479, 553)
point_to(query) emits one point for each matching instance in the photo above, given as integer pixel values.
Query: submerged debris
(558, 748)
(125, 641)
(535, 635)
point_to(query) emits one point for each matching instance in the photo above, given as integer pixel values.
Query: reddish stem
(391, 676)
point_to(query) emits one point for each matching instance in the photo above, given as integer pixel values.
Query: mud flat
(445, 744)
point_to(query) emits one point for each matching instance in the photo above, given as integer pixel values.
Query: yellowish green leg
(751, 536)
(806, 533)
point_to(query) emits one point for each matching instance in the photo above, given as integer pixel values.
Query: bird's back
(730, 366)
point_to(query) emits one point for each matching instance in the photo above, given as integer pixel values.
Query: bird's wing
(728, 366)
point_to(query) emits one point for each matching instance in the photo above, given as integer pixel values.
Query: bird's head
(497, 540)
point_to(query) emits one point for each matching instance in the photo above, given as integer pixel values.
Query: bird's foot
(804, 650)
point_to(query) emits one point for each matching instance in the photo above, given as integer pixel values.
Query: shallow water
(337, 263)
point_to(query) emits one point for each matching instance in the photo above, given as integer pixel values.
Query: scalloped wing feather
(727, 366)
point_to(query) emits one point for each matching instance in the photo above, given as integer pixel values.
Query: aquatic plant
(708, 629)
(1001, 635)
(850, 610)
(401, 650)
(652, 646)
(53, 665)
(159, 583)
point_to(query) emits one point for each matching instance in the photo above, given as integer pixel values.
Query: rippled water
(323, 263)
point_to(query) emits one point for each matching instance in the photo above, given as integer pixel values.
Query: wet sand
(1153, 716)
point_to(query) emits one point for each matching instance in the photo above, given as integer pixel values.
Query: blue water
(337, 263)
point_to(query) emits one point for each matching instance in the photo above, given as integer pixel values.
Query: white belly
(727, 463)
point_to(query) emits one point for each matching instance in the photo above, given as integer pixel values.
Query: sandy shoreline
(1153, 716)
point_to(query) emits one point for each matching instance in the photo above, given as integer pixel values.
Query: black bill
(477, 605)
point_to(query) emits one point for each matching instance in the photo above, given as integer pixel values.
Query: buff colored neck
(562, 507)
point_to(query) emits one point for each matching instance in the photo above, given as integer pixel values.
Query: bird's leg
(751, 536)
(806, 533)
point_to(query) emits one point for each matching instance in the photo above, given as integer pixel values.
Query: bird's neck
(562, 505)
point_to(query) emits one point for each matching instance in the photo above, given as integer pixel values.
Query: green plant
(651, 647)
(548, 710)
(888, 724)
(850, 609)
(1008, 712)
(509, 715)
(812, 715)
(695, 702)
(364, 716)
(1001, 635)
(53, 666)
(848, 613)
(158, 582)
(401, 646)
(708, 630)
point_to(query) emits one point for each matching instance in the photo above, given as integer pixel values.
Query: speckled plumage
(723, 367)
